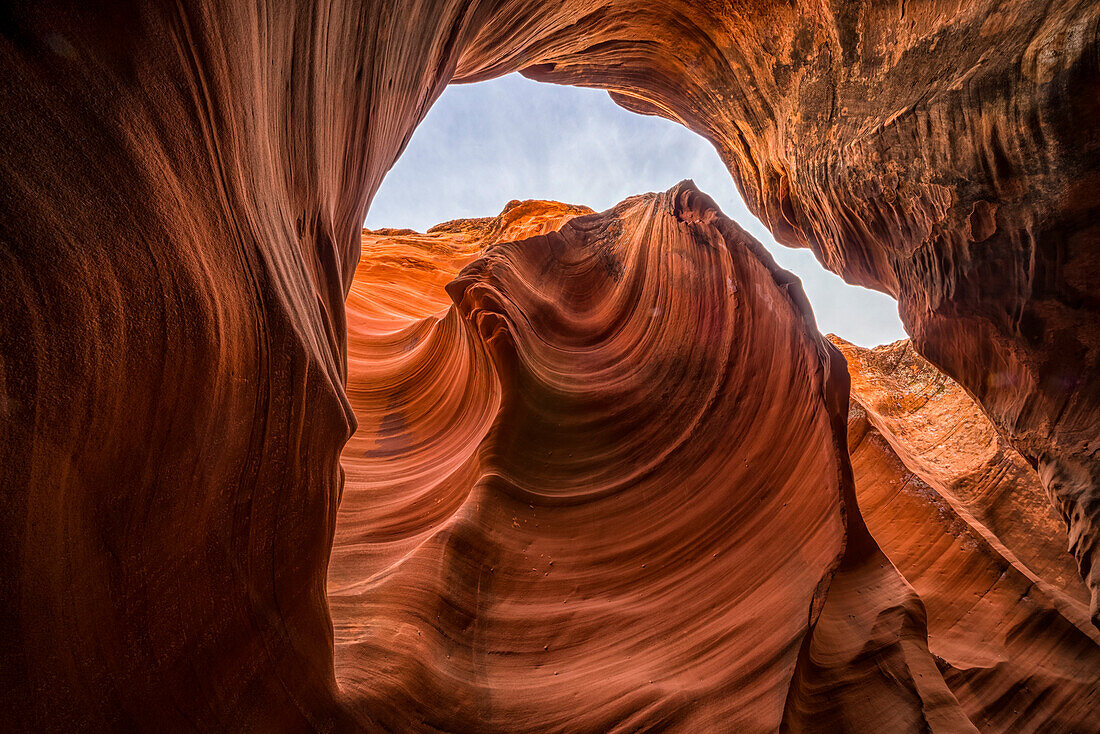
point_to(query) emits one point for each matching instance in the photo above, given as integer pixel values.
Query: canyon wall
(561, 514)
(444, 586)
(182, 188)
(966, 522)
(943, 152)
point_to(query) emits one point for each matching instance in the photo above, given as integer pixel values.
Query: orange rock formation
(182, 188)
(560, 514)
(966, 522)
(505, 453)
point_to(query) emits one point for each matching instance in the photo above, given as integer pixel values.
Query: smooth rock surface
(562, 515)
(182, 188)
(965, 521)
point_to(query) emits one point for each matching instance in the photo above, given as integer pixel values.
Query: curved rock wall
(561, 515)
(966, 522)
(943, 152)
(940, 151)
(182, 191)
(944, 437)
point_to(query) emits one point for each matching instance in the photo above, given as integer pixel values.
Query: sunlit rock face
(938, 431)
(964, 520)
(183, 186)
(607, 488)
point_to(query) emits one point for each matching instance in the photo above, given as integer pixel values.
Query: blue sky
(511, 138)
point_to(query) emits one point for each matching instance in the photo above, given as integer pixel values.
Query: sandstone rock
(963, 519)
(945, 439)
(560, 514)
(182, 189)
(942, 152)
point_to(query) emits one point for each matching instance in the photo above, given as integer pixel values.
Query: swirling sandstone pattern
(182, 187)
(561, 515)
(1006, 614)
(943, 152)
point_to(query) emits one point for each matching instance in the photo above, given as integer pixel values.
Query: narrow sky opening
(484, 144)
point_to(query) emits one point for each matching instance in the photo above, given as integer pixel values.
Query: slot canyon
(552, 470)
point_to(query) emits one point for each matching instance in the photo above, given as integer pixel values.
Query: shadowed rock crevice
(967, 523)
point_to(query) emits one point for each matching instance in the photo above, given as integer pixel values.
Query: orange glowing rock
(608, 485)
(182, 191)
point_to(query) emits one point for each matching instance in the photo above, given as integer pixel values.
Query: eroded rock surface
(943, 152)
(456, 475)
(965, 521)
(560, 514)
(946, 439)
(182, 188)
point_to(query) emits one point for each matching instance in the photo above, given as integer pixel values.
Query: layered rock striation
(182, 188)
(561, 514)
(967, 523)
(505, 454)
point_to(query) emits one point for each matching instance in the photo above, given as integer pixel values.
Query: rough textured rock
(946, 499)
(946, 440)
(182, 187)
(560, 514)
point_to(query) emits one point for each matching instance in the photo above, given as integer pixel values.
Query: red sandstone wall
(182, 191)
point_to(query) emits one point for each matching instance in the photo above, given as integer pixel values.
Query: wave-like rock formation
(182, 188)
(560, 514)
